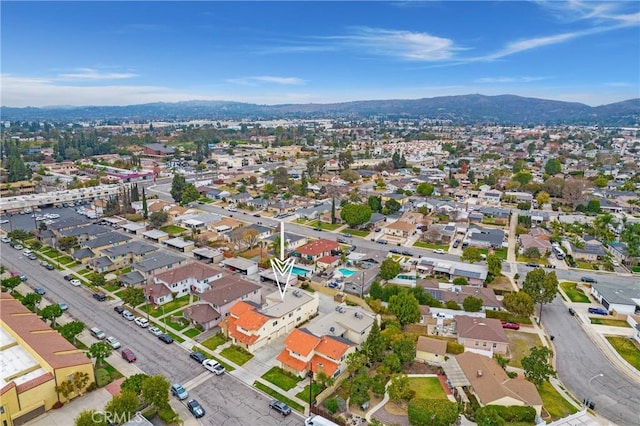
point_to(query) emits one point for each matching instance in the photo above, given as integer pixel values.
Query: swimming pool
(300, 271)
(407, 277)
(346, 272)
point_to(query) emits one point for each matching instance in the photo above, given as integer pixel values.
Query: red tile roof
(332, 348)
(318, 247)
(300, 342)
(319, 364)
(288, 360)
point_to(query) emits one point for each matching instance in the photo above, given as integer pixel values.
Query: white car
(213, 366)
(113, 342)
(155, 331)
(439, 251)
(615, 263)
(142, 322)
(128, 316)
(75, 283)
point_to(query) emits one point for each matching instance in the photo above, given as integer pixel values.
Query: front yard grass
(356, 232)
(236, 354)
(520, 345)
(173, 229)
(584, 265)
(281, 378)
(501, 253)
(554, 403)
(192, 332)
(427, 387)
(266, 389)
(304, 393)
(329, 226)
(111, 287)
(575, 294)
(611, 322)
(422, 244)
(180, 302)
(177, 325)
(214, 341)
(627, 349)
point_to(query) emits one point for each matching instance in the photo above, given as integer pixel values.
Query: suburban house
(490, 383)
(528, 241)
(445, 292)
(189, 278)
(123, 255)
(157, 150)
(291, 241)
(351, 323)
(157, 263)
(619, 298)
(252, 326)
(485, 237)
(400, 229)
(214, 304)
(304, 352)
(431, 351)
(592, 250)
(482, 335)
(106, 240)
(475, 274)
(314, 250)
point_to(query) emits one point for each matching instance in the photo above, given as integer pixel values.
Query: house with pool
(475, 274)
(309, 253)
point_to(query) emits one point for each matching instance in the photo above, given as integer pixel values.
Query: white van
(97, 333)
(318, 421)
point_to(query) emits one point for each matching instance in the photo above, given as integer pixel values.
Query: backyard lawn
(281, 379)
(627, 349)
(173, 229)
(576, 295)
(519, 345)
(236, 354)
(214, 341)
(427, 387)
(554, 403)
(501, 253)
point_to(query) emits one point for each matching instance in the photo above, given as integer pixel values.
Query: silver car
(113, 342)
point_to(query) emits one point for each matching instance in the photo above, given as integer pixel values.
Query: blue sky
(120, 53)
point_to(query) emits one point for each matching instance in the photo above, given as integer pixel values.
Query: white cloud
(524, 79)
(93, 74)
(254, 81)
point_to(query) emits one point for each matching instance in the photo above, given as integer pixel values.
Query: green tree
(494, 265)
(79, 381)
(389, 268)
(190, 194)
(375, 203)
(601, 181)
(31, 300)
(452, 304)
(155, 390)
(541, 286)
(399, 389)
(405, 307)
(132, 296)
(178, 185)
(99, 280)
(376, 291)
(378, 385)
(532, 253)
(375, 344)
(100, 351)
(123, 405)
(355, 214)
(536, 365)
(432, 412)
(392, 206)
(11, 283)
(333, 211)
(134, 383)
(345, 159)
(157, 219)
(332, 405)
(66, 243)
(425, 189)
(405, 348)
(71, 330)
(460, 281)
(349, 175)
(90, 418)
(593, 206)
(553, 166)
(392, 362)
(471, 255)
(472, 304)
(355, 362)
(543, 198)
(519, 304)
(280, 177)
(359, 393)
(145, 206)
(523, 177)
(51, 313)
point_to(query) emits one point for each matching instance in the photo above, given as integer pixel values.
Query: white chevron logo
(282, 267)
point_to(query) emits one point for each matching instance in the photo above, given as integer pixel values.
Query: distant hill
(464, 109)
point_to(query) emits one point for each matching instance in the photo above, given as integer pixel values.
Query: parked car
(32, 256)
(49, 267)
(128, 315)
(179, 392)
(280, 407)
(75, 283)
(118, 309)
(128, 355)
(213, 366)
(165, 338)
(97, 333)
(113, 342)
(63, 306)
(67, 277)
(598, 311)
(99, 297)
(456, 243)
(395, 251)
(510, 325)
(572, 312)
(155, 331)
(588, 280)
(5, 239)
(439, 251)
(385, 242)
(39, 290)
(347, 235)
(533, 265)
(407, 253)
(198, 356)
(142, 322)
(18, 247)
(342, 240)
(195, 408)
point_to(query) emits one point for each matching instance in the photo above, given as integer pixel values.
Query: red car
(128, 355)
(511, 325)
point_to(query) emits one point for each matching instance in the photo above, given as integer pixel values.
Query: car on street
(22, 276)
(198, 357)
(439, 251)
(75, 283)
(395, 251)
(342, 240)
(119, 309)
(598, 311)
(347, 235)
(317, 229)
(280, 407)
(128, 355)
(18, 247)
(384, 242)
(99, 297)
(128, 315)
(572, 311)
(39, 290)
(63, 306)
(113, 342)
(49, 267)
(195, 408)
(166, 338)
(256, 215)
(179, 392)
(533, 265)
(67, 277)
(588, 280)
(142, 322)
(213, 366)
(510, 325)
(155, 331)
(407, 253)
(32, 256)
(5, 240)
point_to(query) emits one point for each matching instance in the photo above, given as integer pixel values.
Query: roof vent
(358, 315)
(296, 293)
(479, 373)
(332, 329)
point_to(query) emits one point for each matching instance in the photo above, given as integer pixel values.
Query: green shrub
(332, 405)
(103, 377)
(454, 348)
(508, 414)
(167, 415)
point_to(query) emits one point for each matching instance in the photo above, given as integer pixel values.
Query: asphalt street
(578, 359)
(226, 400)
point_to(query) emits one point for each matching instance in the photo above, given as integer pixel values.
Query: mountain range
(463, 109)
